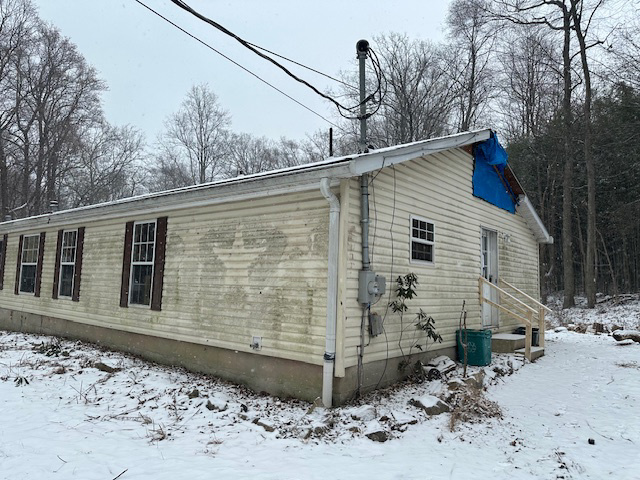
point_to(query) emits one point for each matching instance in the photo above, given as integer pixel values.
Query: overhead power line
(236, 63)
(353, 87)
(255, 49)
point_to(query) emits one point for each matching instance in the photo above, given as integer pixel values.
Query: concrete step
(506, 342)
(536, 352)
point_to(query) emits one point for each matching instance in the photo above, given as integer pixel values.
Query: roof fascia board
(525, 208)
(233, 192)
(378, 160)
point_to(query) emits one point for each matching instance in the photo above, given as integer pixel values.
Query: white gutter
(525, 208)
(332, 292)
(176, 200)
(386, 157)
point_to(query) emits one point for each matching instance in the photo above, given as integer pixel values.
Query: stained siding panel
(438, 188)
(231, 272)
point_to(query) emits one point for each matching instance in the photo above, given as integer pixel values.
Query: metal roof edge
(394, 155)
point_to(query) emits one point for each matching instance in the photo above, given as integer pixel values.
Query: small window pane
(141, 284)
(66, 280)
(28, 279)
(421, 251)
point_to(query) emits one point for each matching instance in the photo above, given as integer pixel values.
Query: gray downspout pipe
(332, 292)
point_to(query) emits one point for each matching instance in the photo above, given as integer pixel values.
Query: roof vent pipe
(53, 206)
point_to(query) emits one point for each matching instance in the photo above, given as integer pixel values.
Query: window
(143, 263)
(66, 276)
(68, 262)
(144, 241)
(29, 263)
(422, 240)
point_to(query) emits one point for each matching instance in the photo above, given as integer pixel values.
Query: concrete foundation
(276, 376)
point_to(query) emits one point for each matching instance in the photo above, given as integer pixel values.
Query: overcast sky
(150, 65)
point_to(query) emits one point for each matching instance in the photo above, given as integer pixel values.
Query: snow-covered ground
(71, 410)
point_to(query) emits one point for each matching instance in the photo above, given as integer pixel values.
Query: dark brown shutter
(77, 271)
(3, 256)
(18, 265)
(126, 265)
(39, 267)
(158, 264)
(56, 269)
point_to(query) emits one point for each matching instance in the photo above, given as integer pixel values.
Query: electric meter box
(371, 287)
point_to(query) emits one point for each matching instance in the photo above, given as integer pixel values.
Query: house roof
(285, 180)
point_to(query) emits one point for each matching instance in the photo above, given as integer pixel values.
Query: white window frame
(62, 262)
(23, 263)
(137, 263)
(413, 239)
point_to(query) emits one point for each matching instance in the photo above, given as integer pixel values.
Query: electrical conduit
(332, 292)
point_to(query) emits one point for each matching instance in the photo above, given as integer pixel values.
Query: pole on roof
(331, 141)
(362, 48)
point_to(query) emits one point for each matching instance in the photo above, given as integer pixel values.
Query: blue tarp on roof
(489, 182)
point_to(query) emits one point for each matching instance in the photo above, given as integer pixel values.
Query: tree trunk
(590, 266)
(4, 184)
(567, 183)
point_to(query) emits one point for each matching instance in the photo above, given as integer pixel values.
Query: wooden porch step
(506, 342)
(536, 352)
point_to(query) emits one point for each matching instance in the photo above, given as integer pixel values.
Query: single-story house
(264, 280)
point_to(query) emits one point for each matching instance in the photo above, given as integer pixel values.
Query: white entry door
(490, 272)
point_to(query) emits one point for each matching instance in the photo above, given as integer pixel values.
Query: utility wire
(255, 50)
(236, 63)
(305, 66)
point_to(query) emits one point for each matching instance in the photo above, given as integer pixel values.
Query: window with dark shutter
(143, 263)
(68, 260)
(28, 264)
(30, 257)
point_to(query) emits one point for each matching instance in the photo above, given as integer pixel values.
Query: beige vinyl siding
(439, 189)
(233, 271)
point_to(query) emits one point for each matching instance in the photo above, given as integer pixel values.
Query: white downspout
(332, 292)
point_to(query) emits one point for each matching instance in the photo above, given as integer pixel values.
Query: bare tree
(417, 95)
(16, 30)
(555, 15)
(532, 83)
(470, 59)
(248, 154)
(196, 136)
(108, 166)
(582, 20)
